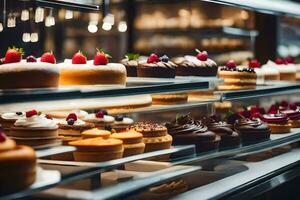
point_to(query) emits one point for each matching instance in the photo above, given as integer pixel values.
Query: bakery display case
(186, 127)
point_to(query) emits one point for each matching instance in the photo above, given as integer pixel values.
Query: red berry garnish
(274, 109)
(30, 59)
(202, 55)
(31, 113)
(100, 114)
(72, 116)
(48, 57)
(79, 58)
(13, 55)
(2, 136)
(153, 58)
(101, 58)
(254, 64)
(245, 113)
(293, 106)
(256, 116)
(231, 64)
(280, 61)
(289, 59)
(284, 104)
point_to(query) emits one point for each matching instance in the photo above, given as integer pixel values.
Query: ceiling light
(69, 14)
(25, 15)
(34, 37)
(92, 28)
(39, 15)
(106, 26)
(122, 27)
(26, 37)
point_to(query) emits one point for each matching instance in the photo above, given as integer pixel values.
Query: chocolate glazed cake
(186, 131)
(252, 131)
(229, 138)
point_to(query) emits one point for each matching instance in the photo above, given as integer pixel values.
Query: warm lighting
(25, 15)
(109, 18)
(50, 20)
(122, 27)
(39, 15)
(69, 14)
(26, 37)
(34, 37)
(106, 26)
(244, 15)
(92, 28)
(11, 21)
(1, 27)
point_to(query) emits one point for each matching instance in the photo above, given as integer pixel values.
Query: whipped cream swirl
(36, 121)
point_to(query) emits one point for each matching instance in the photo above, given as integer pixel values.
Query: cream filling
(25, 66)
(92, 118)
(36, 121)
(12, 116)
(78, 122)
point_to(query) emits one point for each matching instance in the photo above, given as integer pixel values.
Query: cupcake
(157, 67)
(100, 119)
(185, 131)
(122, 123)
(7, 120)
(199, 65)
(35, 129)
(131, 62)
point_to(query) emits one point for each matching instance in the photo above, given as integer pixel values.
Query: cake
(255, 64)
(131, 63)
(132, 142)
(95, 132)
(170, 98)
(157, 67)
(199, 65)
(35, 130)
(229, 137)
(100, 119)
(186, 131)
(237, 78)
(17, 73)
(287, 71)
(155, 136)
(294, 117)
(270, 71)
(17, 166)
(279, 123)
(99, 71)
(122, 123)
(97, 149)
(7, 120)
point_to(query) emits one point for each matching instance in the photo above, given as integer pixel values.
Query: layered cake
(255, 64)
(131, 62)
(79, 71)
(17, 165)
(35, 130)
(170, 98)
(157, 67)
(270, 71)
(122, 123)
(29, 73)
(287, 71)
(7, 120)
(199, 65)
(100, 119)
(237, 78)
(185, 131)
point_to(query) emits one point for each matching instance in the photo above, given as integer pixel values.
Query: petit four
(131, 62)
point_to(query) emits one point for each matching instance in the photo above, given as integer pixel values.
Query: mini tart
(95, 132)
(294, 117)
(99, 122)
(165, 99)
(278, 123)
(122, 124)
(7, 120)
(131, 67)
(97, 149)
(73, 130)
(132, 142)
(17, 166)
(156, 70)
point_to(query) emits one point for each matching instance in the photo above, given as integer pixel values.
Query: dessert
(185, 130)
(278, 123)
(155, 136)
(294, 117)
(100, 119)
(98, 71)
(122, 123)
(17, 165)
(270, 71)
(35, 130)
(252, 131)
(237, 78)
(255, 64)
(131, 62)
(132, 142)
(229, 137)
(63, 114)
(97, 149)
(199, 65)
(287, 71)
(29, 73)
(158, 67)
(7, 120)
(170, 98)
(95, 132)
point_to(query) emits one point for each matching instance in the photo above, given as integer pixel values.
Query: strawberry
(289, 59)
(79, 58)
(13, 55)
(100, 114)
(72, 116)
(202, 55)
(48, 57)
(279, 61)
(31, 113)
(231, 64)
(254, 64)
(101, 58)
(153, 58)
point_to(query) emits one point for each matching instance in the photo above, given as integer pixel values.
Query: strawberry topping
(13, 55)
(254, 64)
(202, 55)
(48, 57)
(79, 58)
(100, 114)
(72, 116)
(101, 58)
(280, 61)
(31, 113)
(231, 64)
(153, 58)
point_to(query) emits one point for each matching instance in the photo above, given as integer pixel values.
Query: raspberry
(72, 116)
(31, 113)
(231, 64)
(202, 55)
(99, 114)
(153, 58)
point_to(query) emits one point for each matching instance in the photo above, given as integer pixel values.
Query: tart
(122, 123)
(17, 165)
(95, 132)
(156, 67)
(279, 123)
(131, 63)
(132, 142)
(199, 65)
(7, 120)
(294, 117)
(100, 119)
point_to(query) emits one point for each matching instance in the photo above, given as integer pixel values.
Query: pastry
(30, 73)
(95, 132)
(156, 67)
(97, 149)
(122, 123)
(278, 123)
(185, 131)
(287, 71)
(131, 62)
(229, 137)
(252, 131)
(237, 78)
(7, 120)
(17, 165)
(294, 117)
(270, 71)
(132, 142)
(35, 130)
(63, 114)
(170, 98)
(100, 119)
(255, 64)
(99, 71)
(155, 136)
(199, 65)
